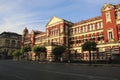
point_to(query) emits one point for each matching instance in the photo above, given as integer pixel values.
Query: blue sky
(15, 15)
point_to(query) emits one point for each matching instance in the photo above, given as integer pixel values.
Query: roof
(55, 19)
(42, 33)
(10, 33)
(88, 20)
(118, 5)
(37, 32)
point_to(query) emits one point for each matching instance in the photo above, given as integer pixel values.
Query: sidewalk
(97, 65)
(84, 64)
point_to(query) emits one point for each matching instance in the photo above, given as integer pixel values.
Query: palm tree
(89, 46)
(57, 51)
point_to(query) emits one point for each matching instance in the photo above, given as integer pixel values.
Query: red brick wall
(110, 25)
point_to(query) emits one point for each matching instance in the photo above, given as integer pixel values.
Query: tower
(32, 37)
(109, 23)
(25, 32)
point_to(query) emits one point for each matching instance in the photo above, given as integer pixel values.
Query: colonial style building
(9, 42)
(104, 30)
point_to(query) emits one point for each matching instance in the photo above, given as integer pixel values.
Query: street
(13, 70)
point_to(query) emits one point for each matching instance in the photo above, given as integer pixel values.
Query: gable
(54, 20)
(107, 7)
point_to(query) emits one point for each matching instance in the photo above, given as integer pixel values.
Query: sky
(15, 15)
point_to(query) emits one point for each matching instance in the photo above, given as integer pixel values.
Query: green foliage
(89, 46)
(57, 51)
(38, 50)
(43, 49)
(26, 49)
(10, 52)
(17, 53)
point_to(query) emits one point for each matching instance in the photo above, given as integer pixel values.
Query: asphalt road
(12, 70)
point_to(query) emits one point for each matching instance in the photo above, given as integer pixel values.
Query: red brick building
(104, 30)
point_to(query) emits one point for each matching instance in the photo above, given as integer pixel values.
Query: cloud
(14, 22)
(15, 15)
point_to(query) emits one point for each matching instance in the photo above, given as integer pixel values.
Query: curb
(79, 64)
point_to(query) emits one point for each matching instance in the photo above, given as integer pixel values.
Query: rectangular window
(90, 27)
(61, 29)
(97, 25)
(66, 29)
(76, 30)
(93, 26)
(83, 29)
(101, 25)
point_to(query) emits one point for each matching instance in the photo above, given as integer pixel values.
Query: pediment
(107, 7)
(54, 20)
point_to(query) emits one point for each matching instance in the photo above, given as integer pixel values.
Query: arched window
(98, 38)
(18, 44)
(110, 34)
(7, 42)
(13, 43)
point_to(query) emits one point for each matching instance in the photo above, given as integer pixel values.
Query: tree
(17, 54)
(57, 51)
(38, 50)
(89, 46)
(43, 51)
(25, 50)
(10, 54)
